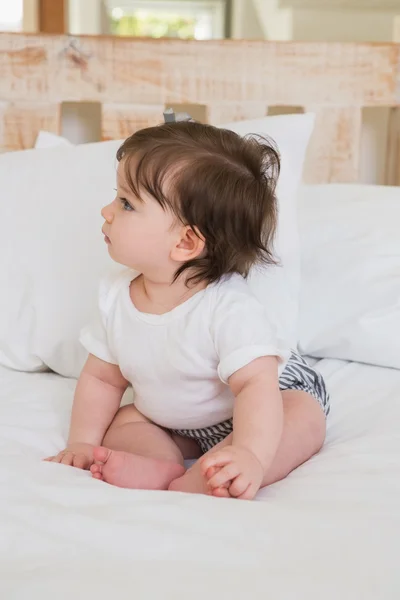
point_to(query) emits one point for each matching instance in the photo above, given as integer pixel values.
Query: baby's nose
(107, 213)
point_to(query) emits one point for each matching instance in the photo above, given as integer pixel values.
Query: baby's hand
(75, 455)
(237, 467)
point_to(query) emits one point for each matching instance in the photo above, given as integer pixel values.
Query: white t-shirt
(179, 362)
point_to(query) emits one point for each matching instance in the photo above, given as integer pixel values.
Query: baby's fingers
(239, 487)
(67, 458)
(216, 459)
(224, 475)
(56, 459)
(249, 494)
(80, 461)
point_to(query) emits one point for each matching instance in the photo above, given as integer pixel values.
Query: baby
(194, 211)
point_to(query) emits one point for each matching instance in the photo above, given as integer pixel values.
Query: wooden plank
(392, 170)
(334, 152)
(119, 121)
(52, 16)
(21, 122)
(158, 72)
(228, 112)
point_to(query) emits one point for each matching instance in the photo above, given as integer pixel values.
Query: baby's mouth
(106, 238)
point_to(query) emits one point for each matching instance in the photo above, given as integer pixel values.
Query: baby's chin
(123, 261)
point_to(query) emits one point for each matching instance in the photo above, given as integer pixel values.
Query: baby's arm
(257, 429)
(258, 411)
(97, 398)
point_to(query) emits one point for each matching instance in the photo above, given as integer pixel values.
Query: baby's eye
(125, 204)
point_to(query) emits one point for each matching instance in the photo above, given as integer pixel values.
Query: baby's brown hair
(220, 184)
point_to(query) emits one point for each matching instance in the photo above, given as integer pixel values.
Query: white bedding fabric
(350, 273)
(330, 530)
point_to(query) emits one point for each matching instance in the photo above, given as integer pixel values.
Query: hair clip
(170, 116)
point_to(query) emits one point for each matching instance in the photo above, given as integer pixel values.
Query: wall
(396, 29)
(85, 17)
(346, 25)
(245, 21)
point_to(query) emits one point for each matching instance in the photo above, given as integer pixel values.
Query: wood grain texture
(334, 151)
(20, 123)
(228, 112)
(119, 121)
(142, 71)
(392, 172)
(226, 80)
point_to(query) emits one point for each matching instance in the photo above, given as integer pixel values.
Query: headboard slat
(118, 121)
(392, 174)
(334, 151)
(20, 123)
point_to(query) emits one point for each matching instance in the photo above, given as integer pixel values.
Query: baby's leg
(303, 435)
(137, 454)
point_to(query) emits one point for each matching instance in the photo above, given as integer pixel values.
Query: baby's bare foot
(133, 471)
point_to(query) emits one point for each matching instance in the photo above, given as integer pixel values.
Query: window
(185, 19)
(11, 15)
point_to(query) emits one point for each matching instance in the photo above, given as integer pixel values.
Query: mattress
(330, 530)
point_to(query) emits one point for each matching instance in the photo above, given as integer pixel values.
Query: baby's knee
(128, 414)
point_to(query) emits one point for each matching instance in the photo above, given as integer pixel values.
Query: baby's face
(138, 232)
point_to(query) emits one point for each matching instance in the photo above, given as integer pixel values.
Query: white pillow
(350, 287)
(46, 139)
(52, 254)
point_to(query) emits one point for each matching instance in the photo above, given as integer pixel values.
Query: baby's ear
(189, 246)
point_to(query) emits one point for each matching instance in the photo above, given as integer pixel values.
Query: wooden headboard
(135, 79)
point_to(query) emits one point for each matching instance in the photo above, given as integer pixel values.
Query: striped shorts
(297, 375)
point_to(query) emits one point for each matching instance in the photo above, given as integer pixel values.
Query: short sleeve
(94, 337)
(242, 332)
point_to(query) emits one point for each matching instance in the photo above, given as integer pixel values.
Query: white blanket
(331, 530)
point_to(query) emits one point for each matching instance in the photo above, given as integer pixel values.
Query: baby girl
(195, 210)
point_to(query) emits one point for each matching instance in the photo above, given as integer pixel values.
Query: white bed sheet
(331, 530)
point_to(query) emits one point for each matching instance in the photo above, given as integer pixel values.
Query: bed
(329, 530)
(332, 528)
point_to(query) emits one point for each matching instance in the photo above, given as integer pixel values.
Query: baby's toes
(96, 471)
(221, 492)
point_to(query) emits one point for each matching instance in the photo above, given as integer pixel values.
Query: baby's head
(193, 200)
